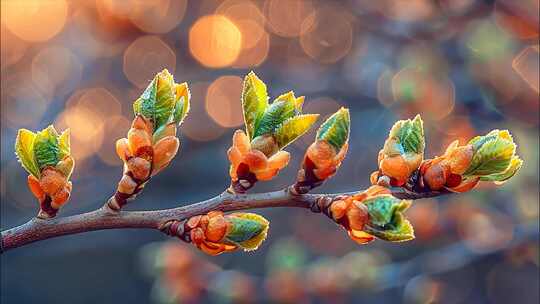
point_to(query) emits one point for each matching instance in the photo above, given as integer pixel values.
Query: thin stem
(40, 229)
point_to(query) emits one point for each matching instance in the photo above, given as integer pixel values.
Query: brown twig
(40, 229)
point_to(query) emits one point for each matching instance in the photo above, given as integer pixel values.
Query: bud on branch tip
(46, 156)
(257, 154)
(151, 142)
(324, 156)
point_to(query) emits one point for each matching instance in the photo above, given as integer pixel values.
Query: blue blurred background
(467, 66)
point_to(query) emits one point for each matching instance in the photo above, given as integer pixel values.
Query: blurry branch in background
(181, 276)
(257, 155)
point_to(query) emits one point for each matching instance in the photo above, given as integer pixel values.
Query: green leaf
(64, 144)
(24, 149)
(248, 230)
(46, 148)
(293, 128)
(182, 103)
(386, 220)
(274, 116)
(254, 102)
(145, 105)
(165, 99)
(335, 130)
(513, 168)
(410, 134)
(492, 155)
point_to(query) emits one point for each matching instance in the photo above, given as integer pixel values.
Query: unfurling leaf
(409, 135)
(493, 154)
(500, 178)
(24, 149)
(278, 112)
(293, 128)
(254, 102)
(386, 220)
(46, 148)
(335, 130)
(163, 101)
(248, 230)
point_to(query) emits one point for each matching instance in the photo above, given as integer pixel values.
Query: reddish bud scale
(321, 162)
(249, 165)
(207, 232)
(352, 214)
(445, 172)
(52, 191)
(142, 158)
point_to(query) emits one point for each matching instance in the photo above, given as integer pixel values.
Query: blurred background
(467, 66)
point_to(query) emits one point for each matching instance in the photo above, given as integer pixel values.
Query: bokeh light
(285, 17)
(215, 41)
(198, 125)
(223, 101)
(56, 68)
(327, 44)
(526, 65)
(145, 57)
(34, 20)
(158, 16)
(86, 113)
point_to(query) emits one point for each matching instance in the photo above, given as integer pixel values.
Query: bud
(151, 143)
(403, 151)
(324, 156)
(372, 213)
(46, 156)
(485, 158)
(257, 154)
(215, 233)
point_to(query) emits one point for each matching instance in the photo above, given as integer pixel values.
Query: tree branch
(104, 218)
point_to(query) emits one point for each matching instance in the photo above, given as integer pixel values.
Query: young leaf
(248, 230)
(64, 144)
(254, 102)
(335, 130)
(46, 148)
(500, 178)
(410, 134)
(145, 105)
(386, 220)
(165, 98)
(293, 128)
(182, 102)
(24, 149)
(492, 155)
(274, 116)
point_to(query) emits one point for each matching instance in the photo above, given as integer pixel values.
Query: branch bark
(105, 218)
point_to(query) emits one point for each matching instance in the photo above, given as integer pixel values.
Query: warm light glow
(215, 41)
(324, 43)
(86, 113)
(145, 57)
(408, 10)
(285, 17)
(223, 101)
(115, 127)
(247, 17)
(254, 56)
(158, 16)
(526, 65)
(198, 125)
(56, 68)
(34, 20)
(12, 47)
